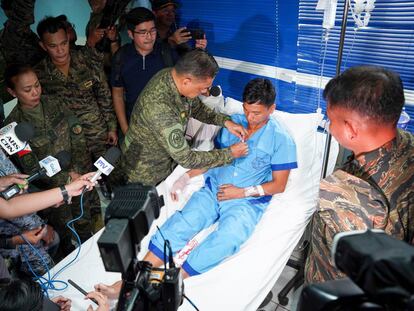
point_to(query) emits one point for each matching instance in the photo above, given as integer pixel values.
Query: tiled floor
(293, 296)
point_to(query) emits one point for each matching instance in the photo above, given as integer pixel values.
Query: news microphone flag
(106, 163)
(13, 137)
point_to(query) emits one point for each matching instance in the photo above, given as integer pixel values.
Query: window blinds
(387, 41)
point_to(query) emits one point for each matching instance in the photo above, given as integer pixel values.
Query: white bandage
(254, 191)
(260, 190)
(250, 191)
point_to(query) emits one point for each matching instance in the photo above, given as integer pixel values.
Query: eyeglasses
(144, 33)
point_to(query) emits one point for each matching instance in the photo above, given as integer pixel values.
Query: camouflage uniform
(155, 139)
(18, 43)
(377, 194)
(56, 129)
(16, 226)
(86, 92)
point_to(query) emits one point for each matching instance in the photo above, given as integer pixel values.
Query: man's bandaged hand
(179, 186)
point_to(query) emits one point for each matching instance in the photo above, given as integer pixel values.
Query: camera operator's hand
(63, 302)
(95, 35)
(201, 43)
(181, 35)
(179, 186)
(111, 291)
(9, 180)
(101, 299)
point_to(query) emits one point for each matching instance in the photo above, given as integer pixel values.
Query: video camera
(128, 220)
(380, 270)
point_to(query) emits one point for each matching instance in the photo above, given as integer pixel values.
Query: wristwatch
(65, 194)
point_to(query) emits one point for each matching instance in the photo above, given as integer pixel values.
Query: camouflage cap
(159, 4)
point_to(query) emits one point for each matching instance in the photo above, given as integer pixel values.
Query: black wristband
(64, 193)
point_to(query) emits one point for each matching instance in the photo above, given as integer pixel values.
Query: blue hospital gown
(270, 149)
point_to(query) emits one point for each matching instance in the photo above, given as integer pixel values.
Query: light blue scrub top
(270, 149)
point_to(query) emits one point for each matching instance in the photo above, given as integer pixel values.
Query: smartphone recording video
(197, 33)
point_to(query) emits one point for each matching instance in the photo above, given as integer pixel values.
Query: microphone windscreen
(24, 131)
(112, 155)
(215, 91)
(64, 159)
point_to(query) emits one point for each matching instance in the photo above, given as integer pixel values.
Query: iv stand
(338, 71)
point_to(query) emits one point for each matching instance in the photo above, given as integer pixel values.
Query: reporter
(33, 202)
(9, 180)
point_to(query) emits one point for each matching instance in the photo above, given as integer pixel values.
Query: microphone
(49, 166)
(215, 91)
(13, 137)
(106, 163)
(25, 132)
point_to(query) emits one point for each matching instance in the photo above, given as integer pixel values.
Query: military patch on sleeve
(76, 129)
(175, 137)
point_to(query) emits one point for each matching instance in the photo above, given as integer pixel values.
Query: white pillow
(303, 130)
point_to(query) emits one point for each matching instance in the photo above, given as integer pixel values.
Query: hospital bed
(243, 280)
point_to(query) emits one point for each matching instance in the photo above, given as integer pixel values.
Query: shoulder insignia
(175, 137)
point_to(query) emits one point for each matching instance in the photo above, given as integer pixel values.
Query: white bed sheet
(243, 280)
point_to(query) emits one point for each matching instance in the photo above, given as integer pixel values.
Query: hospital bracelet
(254, 191)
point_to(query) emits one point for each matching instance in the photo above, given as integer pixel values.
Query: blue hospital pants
(236, 221)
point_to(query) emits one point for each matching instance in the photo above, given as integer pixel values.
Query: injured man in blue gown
(235, 196)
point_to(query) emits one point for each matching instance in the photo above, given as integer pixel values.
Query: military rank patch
(175, 137)
(87, 84)
(76, 129)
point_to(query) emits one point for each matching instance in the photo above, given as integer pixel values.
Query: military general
(154, 143)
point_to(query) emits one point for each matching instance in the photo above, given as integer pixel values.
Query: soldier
(56, 129)
(375, 188)
(79, 83)
(154, 142)
(19, 44)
